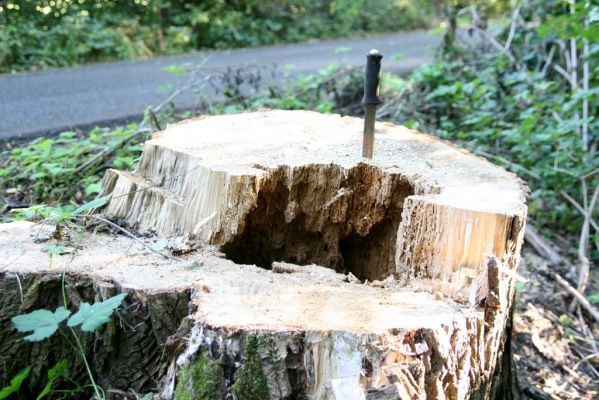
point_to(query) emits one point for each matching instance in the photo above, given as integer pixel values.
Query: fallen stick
(581, 299)
(132, 236)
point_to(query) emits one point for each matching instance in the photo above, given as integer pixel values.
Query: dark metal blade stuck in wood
(371, 100)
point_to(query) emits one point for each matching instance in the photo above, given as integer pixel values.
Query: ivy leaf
(58, 370)
(93, 316)
(15, 383)
(43, 323)
(99, 202)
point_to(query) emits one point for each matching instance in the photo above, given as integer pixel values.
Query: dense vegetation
(55, 33)
(527, 95)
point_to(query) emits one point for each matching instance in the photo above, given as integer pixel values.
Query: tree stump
(303, 271)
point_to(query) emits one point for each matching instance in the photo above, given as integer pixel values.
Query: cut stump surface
(322, 273)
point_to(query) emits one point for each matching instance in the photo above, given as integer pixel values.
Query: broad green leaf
(58, 370)
(15, 383)
(43, 323)
(54, 249)
(93, 316)
(99, 202)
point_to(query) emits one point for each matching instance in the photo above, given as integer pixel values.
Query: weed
(44, 323)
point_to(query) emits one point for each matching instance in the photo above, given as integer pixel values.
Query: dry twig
(577, 295)
(132, 236)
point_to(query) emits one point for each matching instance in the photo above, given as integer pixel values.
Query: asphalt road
(45, 102)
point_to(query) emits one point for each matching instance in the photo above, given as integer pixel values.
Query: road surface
(45, 102)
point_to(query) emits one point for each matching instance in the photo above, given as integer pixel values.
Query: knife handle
(372, 78)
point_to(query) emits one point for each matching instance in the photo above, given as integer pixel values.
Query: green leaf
(43, 323)
(593, 298)
(15, 383)
(93, 188)
(54, 249)
(58, 370)
(99, 202)
(93, 316)
(564, 319)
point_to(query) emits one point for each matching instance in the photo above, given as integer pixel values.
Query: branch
(548, 62)
(132, 236)
(565, 53)
(490, 38)
(585, 267)
(104, 153)
(577, 295)
(381, 112)
(573, 54)
(508, 42)
(510, 163)
(563, 73)
(494, 43)
(585, 100)
(580, 209)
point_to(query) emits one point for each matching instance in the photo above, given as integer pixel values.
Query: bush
(519, 107)
(44, 170)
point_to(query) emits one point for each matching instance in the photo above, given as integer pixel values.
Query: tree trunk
(316, 273)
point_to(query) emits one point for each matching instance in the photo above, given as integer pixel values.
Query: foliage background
(59, 33)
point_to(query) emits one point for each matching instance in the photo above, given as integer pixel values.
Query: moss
(200, 379)
(250, 383)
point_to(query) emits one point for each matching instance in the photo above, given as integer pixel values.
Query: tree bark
(310, 272)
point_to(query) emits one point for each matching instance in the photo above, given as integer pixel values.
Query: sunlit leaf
(99, 202)
(43, 323)
(58, 370)
(15, 383)
(93, 316)
(54, 249)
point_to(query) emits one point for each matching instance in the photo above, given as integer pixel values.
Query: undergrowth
(44, 170)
